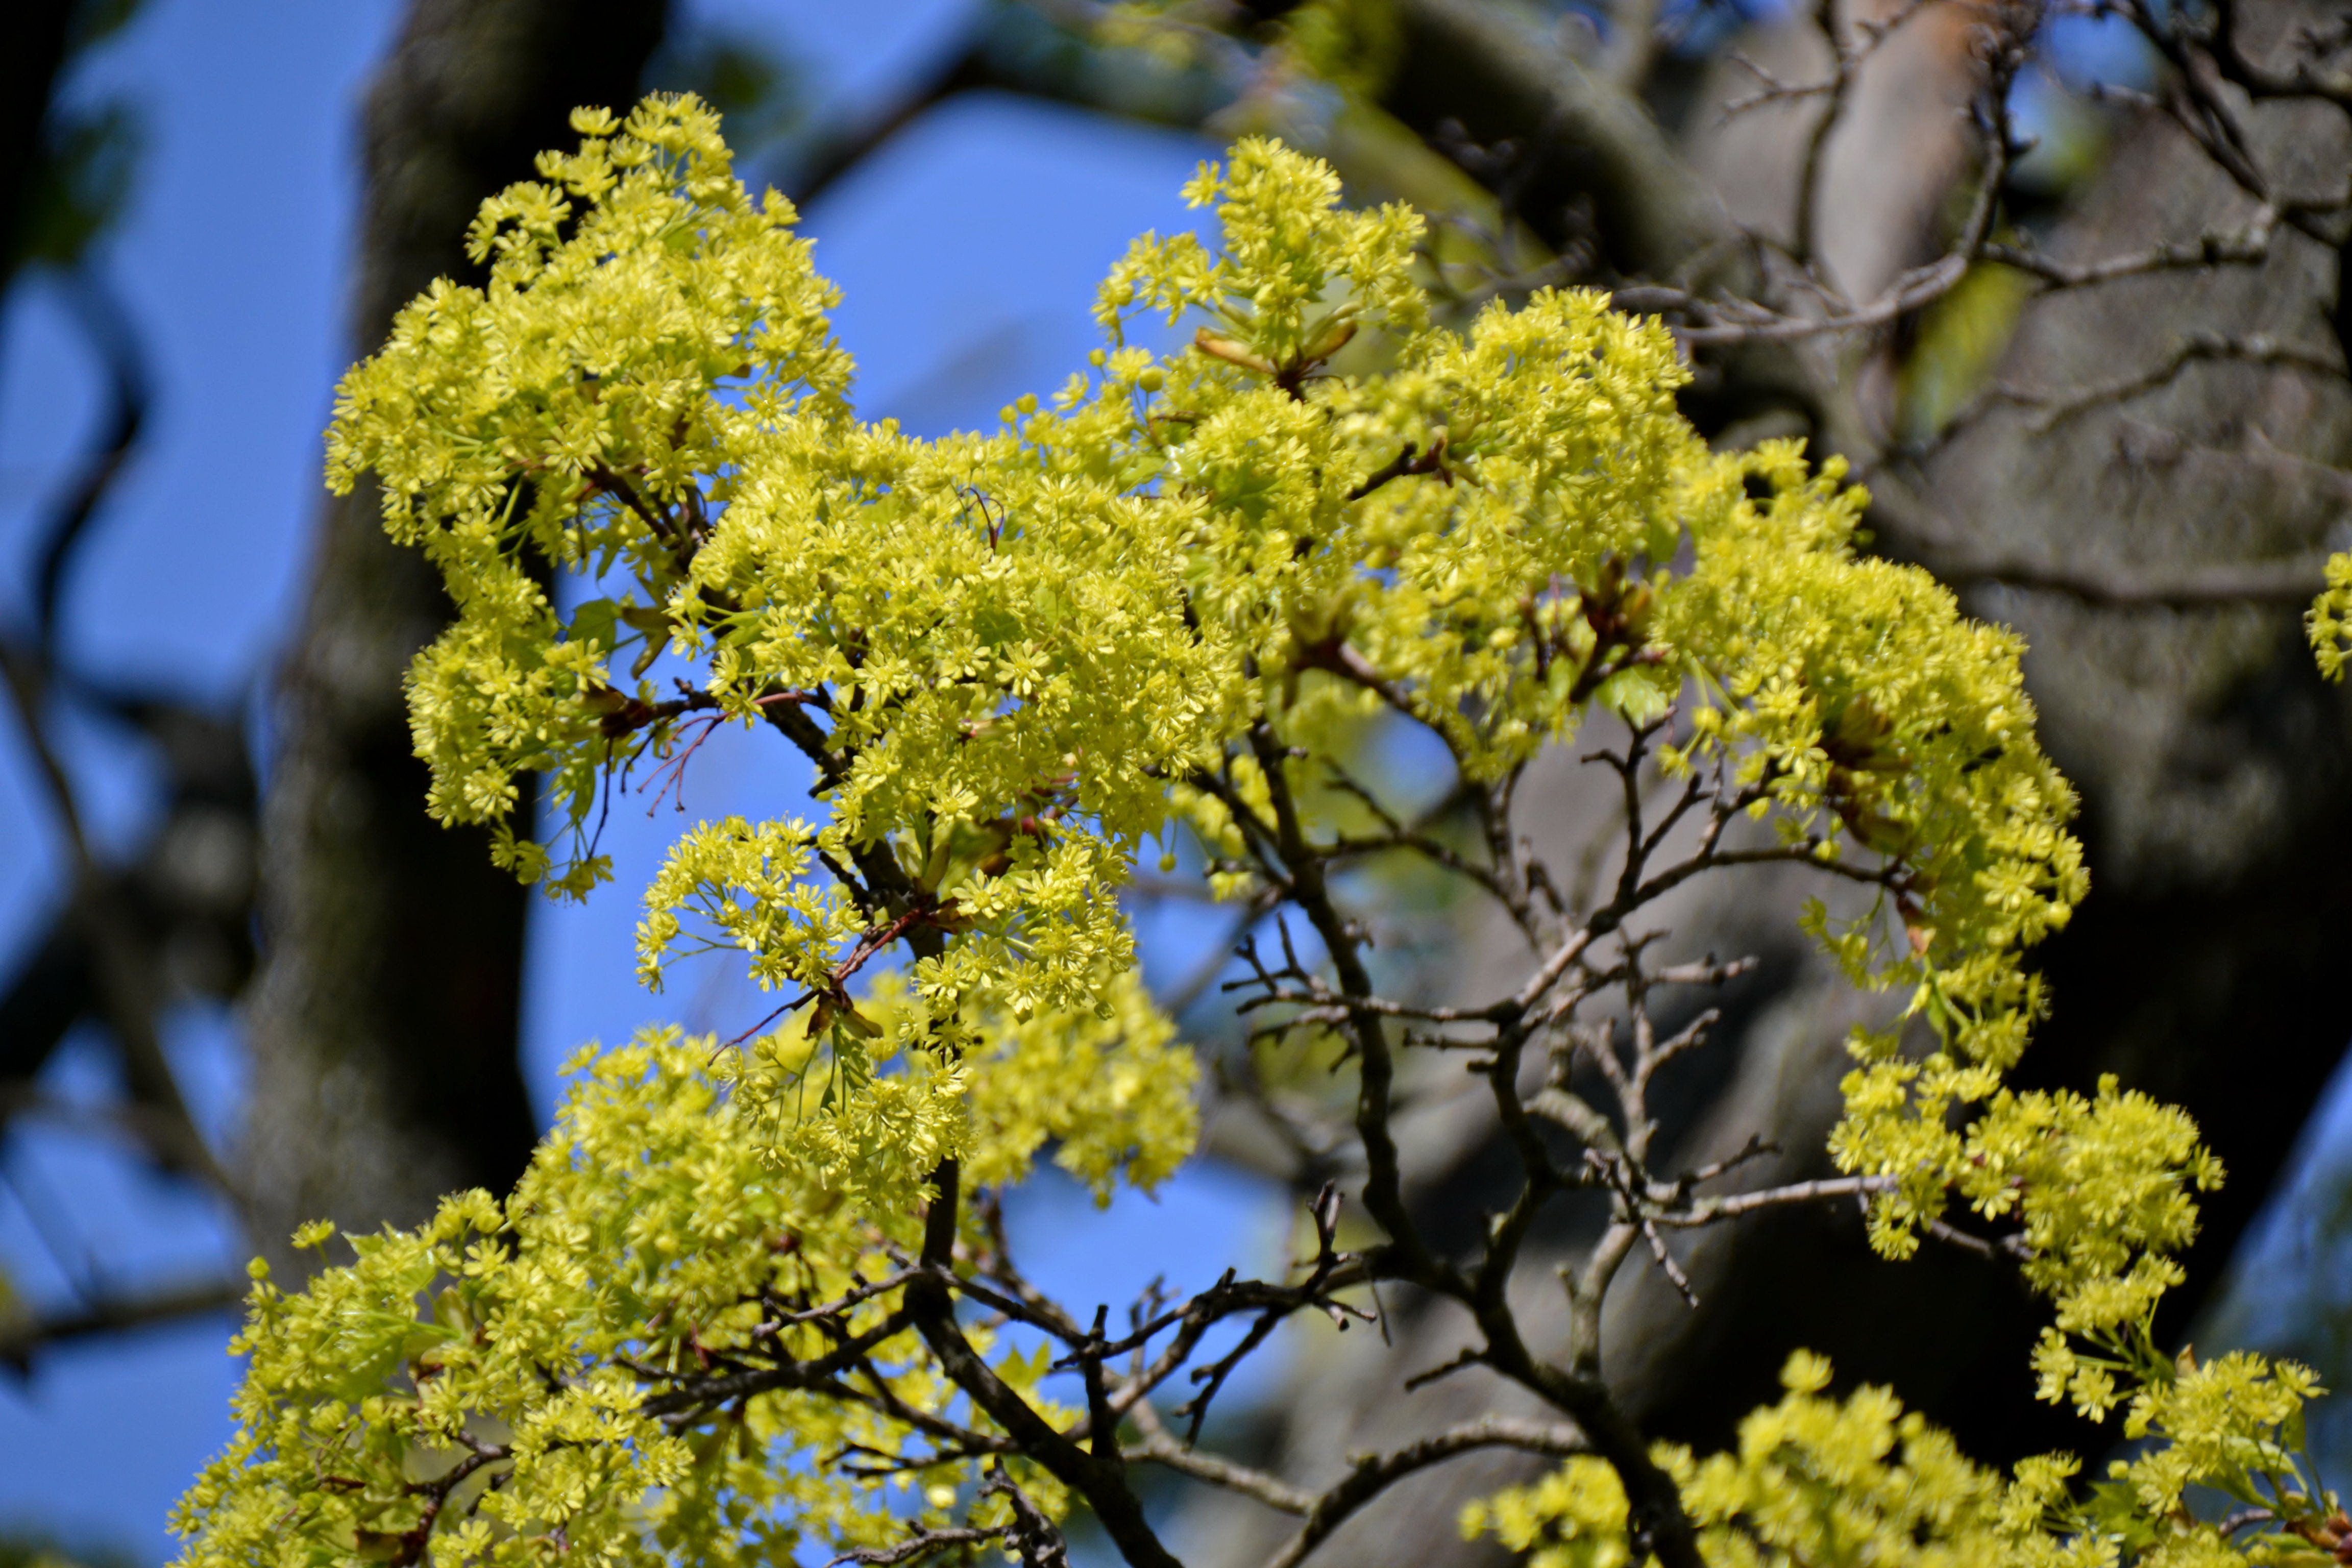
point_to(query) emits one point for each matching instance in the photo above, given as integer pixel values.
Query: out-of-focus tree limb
(125, 937)
(25, 1335)
(1497, 76)
(126, 988)
(128, 394)
(2291, 582)
(37, 39)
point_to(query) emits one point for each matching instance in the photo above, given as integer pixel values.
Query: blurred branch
(2249, 246)
(143, 1125)
(104, 321)
(840, 147)
(1038, 49)
(22, 1337)
(99, 958)
(1480, 65)
(1908, 520)
(2197, 348)
(1498, 74)
(1634, 42)
(2287, 583)
(126, 984)
(103, 955)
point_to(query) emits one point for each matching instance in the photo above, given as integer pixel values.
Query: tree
(744, 1301)
(2208, 813)
(2112, 416)
(2143, 475)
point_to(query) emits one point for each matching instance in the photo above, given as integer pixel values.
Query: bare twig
(1161, 1448)
(2220, 585)
(2196, 348)
(1707, 1211)
(916, 1547)
(2249, 246)
(1369, 1474)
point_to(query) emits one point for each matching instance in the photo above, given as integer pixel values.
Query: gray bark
(384, 1029)
(2213, 763)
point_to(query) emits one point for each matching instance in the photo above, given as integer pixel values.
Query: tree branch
(21, 1338)
(1370, 1475)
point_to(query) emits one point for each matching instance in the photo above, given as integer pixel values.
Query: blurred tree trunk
(2215, 766)
(385, 1027)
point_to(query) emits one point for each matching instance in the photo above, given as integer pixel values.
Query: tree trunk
(385, 1027)
(2213, 763)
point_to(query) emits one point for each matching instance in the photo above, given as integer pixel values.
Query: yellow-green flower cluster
(873, 1105)
(1010, 652)
(658, 1230)
(1111, 1087)
(1859, 1480)
(1880, 721)
(562, 403)
(1572, 1518)
(747, 884)
(2223, 1421)
(2329, 621)
(1816, 1481)
(1813, 1482)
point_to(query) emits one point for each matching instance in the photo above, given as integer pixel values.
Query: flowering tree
(755, 1299)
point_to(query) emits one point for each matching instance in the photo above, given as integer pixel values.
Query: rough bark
(2211, 759)
(2213, 763)
(383, 1029)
